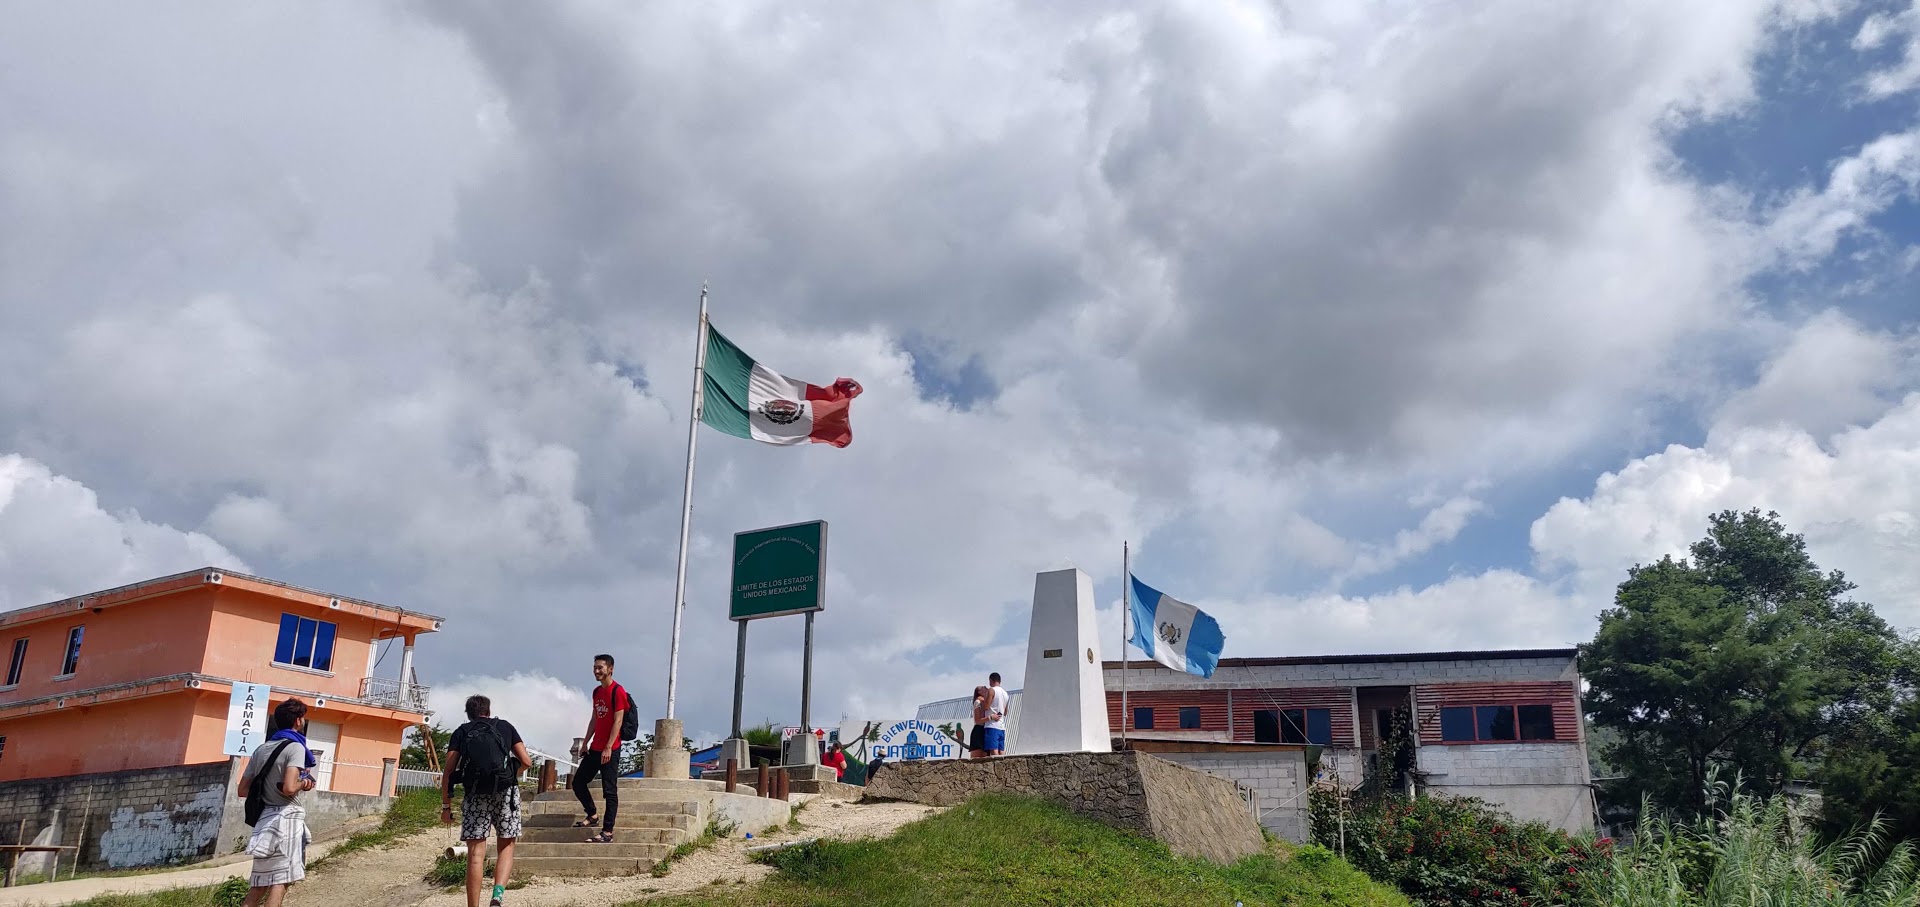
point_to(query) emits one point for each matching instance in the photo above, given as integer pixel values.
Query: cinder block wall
(135, 818)
(1279, 782)
(152, 816)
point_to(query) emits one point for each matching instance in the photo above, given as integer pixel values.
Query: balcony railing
(388, 691)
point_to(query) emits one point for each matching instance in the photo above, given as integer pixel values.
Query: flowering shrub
(1443, 851)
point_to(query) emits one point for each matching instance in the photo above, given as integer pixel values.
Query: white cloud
(1900, 28)
(1244, 283)
(546, 711)
(56, 540)
(1852, 490)
(1808, 226)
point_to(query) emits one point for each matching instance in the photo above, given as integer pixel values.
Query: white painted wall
(1063, 708)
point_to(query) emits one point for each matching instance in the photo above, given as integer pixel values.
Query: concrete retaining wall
(1196, 814)
(1277, 778)
(149, 817)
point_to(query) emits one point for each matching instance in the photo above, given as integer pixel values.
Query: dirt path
(725, 863)
(376, 877)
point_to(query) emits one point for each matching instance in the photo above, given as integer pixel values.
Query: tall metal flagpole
(686, 501)
(1126, 606)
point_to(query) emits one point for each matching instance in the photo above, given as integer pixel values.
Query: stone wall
(1194, 813)
(1541, 781)
(152, 816)
(1277, 778)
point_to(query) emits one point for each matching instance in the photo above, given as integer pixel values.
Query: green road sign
(778, 571)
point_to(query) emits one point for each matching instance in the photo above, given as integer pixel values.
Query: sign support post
(777, 571)
(739, 677)
(806, 680)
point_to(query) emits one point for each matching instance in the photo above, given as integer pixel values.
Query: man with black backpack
(614, 722)
(486, 755)
(275, 776)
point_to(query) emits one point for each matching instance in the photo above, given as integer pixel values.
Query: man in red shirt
(601, 755)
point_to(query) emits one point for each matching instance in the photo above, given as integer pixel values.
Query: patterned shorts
(481, 814)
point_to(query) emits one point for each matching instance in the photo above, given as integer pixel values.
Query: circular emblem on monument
(781, 412)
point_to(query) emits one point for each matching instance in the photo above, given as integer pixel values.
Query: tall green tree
(1745, 657)
(1875, 771)
(414, 754)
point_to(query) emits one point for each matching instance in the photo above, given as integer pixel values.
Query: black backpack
(630, 722)
(257, 791)
(483, 759)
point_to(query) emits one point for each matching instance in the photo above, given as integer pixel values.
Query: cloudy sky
(1374, 326)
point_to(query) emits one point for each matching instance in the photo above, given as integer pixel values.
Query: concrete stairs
(644, 832)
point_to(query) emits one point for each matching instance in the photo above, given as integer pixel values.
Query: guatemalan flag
(1174, 633)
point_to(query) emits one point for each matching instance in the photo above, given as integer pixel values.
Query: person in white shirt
(996, 738)
(279, 841)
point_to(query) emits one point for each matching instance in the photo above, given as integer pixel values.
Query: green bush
(1758, 852)
(1442, 851)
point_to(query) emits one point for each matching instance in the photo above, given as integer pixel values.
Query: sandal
(588, 822)
(605, 837)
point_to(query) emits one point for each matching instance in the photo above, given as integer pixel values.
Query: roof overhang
(1388, 658)
(403, 621)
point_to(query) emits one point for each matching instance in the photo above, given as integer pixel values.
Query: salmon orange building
(138, 677)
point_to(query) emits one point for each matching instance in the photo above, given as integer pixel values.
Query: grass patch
(793, 818)
(716, 829)
(412, 812)
(203, 896)
(1029, 852)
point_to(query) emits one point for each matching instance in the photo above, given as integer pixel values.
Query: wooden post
(733, 775)
(761, 788)
(80, 845)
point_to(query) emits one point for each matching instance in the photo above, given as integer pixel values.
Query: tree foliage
(414, 754)
(1745, 656)
(1875, 771)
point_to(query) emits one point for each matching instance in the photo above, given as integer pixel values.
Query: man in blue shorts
(996, 736)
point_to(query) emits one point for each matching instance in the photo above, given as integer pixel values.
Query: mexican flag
(748, 400)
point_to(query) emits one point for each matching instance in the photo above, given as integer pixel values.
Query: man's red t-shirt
(604, 705)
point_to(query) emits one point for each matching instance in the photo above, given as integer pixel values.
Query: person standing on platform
(996, 737)
(602, 754)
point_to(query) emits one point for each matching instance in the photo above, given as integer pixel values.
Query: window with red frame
(1496, 723)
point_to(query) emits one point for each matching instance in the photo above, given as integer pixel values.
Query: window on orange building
(3, 747)
(19, 663)
(304, 643)
(1189, 717)
(1143, 719)
(72, 661)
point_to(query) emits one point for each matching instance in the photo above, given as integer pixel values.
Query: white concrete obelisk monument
(1063, 704)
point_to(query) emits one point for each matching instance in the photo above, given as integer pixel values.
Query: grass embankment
(1012, 850)
(412, 811)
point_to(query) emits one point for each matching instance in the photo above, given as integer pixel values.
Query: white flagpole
(1126, 606)
(686, 501)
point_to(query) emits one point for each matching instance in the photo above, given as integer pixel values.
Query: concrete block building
(1503, 726)
(114, 708)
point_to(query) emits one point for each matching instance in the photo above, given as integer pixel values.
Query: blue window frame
(1143, 719)
(305, 643)
(1297, 726)
(1189, 717)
